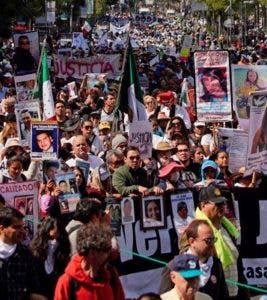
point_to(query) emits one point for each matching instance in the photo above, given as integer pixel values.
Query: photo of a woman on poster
(214, 85)
(259, 142)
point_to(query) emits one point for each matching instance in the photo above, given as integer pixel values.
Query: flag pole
(39, 66)
(114, 126)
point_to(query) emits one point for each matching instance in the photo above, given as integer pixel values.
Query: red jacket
(86, 288)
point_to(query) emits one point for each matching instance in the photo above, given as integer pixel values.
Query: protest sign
(24, 197)
(26, 112)
(246, 80)
(25, 86)
(213, 91)
(33, 38)
(140, 136)
(69, 196)
(44, 140)
(140, 275)
(257, 145)
(235, 142)
(66, 67)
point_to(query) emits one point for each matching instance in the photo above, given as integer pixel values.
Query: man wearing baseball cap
(185, 272)
(211, 208)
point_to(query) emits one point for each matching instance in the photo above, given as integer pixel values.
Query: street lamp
(71, 16)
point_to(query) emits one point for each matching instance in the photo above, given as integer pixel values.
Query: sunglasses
(117, 162)
(183, 150)
(134, 157)
(88, 127)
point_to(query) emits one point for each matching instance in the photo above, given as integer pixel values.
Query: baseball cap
(211, 193)
(186, 265)
(104, 125)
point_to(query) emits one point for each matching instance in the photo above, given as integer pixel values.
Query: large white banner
(66, 67)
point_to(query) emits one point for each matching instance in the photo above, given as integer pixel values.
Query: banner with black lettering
(158, 240)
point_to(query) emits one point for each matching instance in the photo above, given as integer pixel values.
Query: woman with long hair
(51, 249)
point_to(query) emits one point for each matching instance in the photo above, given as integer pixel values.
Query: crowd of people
(73, 255)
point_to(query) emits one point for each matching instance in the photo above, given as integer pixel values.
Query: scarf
(222, 249)
(6, 250)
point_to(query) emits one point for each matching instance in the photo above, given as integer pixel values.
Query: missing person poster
(257, 144)
(25, 86)
(213, 90)
(24, 197)
(44, 140)
(69, 196)
(26, 113)
(245, 81)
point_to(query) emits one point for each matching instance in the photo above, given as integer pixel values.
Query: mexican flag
(130, 99)
(45, 89)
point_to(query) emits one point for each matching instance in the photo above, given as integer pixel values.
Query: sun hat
(70, 124)
(170, 167)
(164, 146)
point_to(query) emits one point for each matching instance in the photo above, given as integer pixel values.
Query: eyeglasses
(176, 124)
(88, 127)
(134, 157)
(210, 241)
(183, 150)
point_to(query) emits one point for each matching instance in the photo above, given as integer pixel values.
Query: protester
(185, 272)
(211, 208)
(198, 239)
(50, 247)
(19, 278)
(87, 276)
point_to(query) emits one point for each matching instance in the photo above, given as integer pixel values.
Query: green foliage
(100, 7)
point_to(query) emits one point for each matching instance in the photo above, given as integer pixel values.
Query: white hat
(199, 123)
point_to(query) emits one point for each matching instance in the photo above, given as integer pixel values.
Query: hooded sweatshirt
(108, 289)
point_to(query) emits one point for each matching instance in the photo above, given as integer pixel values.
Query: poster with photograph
(127, 211)
(257, 145)
(114, 208)
(73, 93)
(140, 136)
(93, 78)
(50, 168)
(84, 166)
(24, 197)
(152, 213)
(246, 80)
(213, 86)
(69, 196)
(44, 140)
(25, 87)
(27, 52)
(183, 210)
(26, 113)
